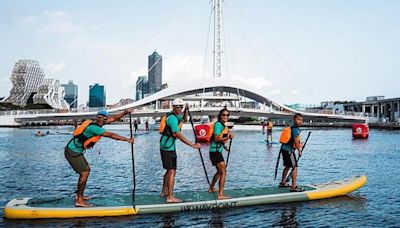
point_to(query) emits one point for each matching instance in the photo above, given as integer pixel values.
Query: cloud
(294, 92)
(276, 91)
(257, 82)
(54, 68)
(59, 22)
(181, 67)
(29, 20)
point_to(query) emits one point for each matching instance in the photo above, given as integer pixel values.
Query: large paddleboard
(35, 208)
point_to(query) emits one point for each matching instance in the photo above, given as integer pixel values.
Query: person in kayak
(219, 137)
(290, 140)
(85, 136)
(170, 129)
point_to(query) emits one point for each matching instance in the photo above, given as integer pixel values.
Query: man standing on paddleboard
(290, 139)
(85, 136)
(170, 129)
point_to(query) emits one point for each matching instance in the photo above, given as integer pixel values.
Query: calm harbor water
(36, 167)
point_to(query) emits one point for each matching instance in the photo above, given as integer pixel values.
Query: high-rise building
(97, 96)
(155, 72)
(142, 87)
(71, 94)
(26, 78)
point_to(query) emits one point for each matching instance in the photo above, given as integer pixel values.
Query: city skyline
(331, 50)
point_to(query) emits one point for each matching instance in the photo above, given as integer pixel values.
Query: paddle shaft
(277, 164)
(133, 164)
(201, 156)
(229, 153)
(289, 176)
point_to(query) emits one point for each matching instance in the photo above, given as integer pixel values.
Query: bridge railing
(46, 111)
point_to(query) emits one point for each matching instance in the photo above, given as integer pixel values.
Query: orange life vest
(286, 136)
(224, 132)
(164, 128)
(78, 134)
(270, 125)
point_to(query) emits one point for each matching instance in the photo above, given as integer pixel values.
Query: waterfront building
(142, 87)
(97, 96)
(155, 72)
(71, 94)
(51, 93)
(386, 110)
(26, 78)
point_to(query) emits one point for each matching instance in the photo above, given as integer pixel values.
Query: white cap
(177, 102)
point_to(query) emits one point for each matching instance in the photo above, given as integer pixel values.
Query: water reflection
(168, 221)
(288, 218)
(217, 219)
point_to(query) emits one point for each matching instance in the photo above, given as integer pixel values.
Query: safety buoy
(202, 132)
(360, 130)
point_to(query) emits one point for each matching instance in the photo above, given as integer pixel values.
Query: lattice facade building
(26, 78)
(29, 85)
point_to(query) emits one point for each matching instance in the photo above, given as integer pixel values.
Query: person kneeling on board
(220, 135)
(170, 130)
(85, 136)
(290, 139)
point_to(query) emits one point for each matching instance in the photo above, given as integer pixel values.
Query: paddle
(289, 176)
(277, 164)
(229, 153)
(201, 156)
(133, 165)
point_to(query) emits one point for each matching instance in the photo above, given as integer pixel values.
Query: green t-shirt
(92, 130)
(167, 143)
(217, 146)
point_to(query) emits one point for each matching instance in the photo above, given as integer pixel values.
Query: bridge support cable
(256, 56)
(277, 53)
(207, 41)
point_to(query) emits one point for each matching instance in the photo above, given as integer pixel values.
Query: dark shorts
(216, 157)
(289, 159)
(168, 159)
(269, 131)
(76, 160)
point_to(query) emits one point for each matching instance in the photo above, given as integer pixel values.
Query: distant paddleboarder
(270, 125)
(85, 136)
(135, 125)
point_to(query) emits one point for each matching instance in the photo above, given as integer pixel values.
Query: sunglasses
(225, 115)
(102, 117)
(180, 106)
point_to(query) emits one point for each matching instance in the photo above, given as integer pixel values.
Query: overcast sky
(297, 51)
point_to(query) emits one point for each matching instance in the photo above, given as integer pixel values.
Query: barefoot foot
(173, 200)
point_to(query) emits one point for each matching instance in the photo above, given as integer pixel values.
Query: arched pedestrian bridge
(205, 97)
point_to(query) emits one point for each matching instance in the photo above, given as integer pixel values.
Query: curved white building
(50, 92)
